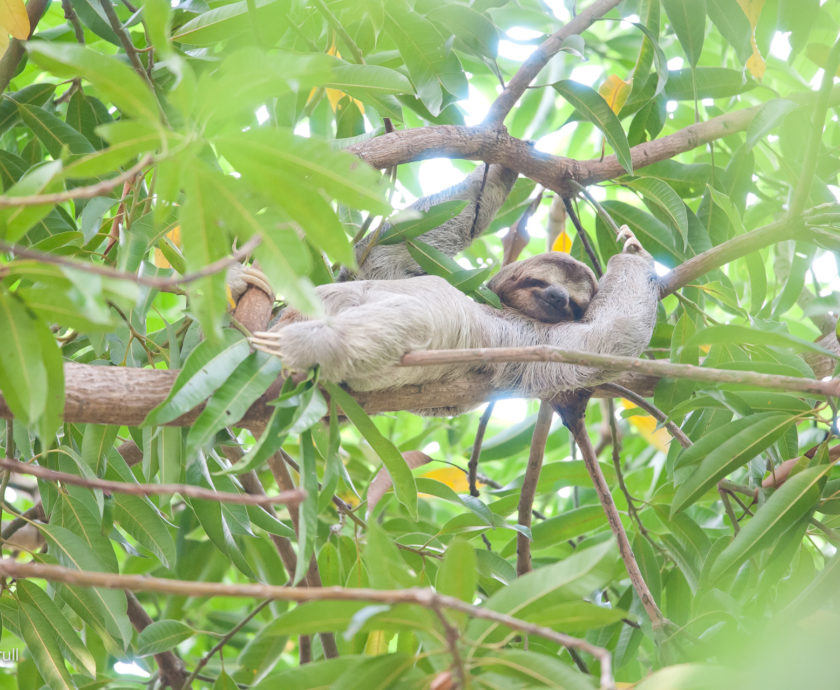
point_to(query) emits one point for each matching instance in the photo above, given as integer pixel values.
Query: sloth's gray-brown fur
(369, 325)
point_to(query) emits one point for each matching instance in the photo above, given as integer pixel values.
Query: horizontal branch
(87, 192)
(553, 172)
(426, 598)
(547, 353)
(125, 395)
(494, 145)
(293, 497)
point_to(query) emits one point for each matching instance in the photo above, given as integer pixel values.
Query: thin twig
(652, 410)
(125, 39)
(426, 598)
(338, 27)
(73, 20)
(87, 192)
(164, 284)
(600, 210)
(227, 637)
(584, 237)
(293, 497)
(619, 474)
(529, 485)
(452, 636)
(727, 506)
(472, 465)
(548, 353)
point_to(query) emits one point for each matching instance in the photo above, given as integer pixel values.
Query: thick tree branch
(495, 145)
(426, 598)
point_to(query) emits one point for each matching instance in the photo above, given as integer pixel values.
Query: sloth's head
(550, 287)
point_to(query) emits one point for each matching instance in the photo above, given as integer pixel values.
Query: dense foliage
(231, 119)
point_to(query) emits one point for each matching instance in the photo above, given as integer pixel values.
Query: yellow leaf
(454, 478)
(646, 426)
(756, 64)
(615, 91)
(562, 243)
(752, 8)
(174, 236)
(13, 18)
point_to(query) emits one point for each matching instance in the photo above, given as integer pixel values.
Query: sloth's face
(550, 287)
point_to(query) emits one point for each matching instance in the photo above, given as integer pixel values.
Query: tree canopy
(179, 513)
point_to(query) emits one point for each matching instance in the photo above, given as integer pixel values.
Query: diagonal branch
(540, 57)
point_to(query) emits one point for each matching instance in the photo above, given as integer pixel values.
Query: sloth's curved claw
(631, 244)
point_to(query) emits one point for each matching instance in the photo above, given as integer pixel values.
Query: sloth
(369, 325)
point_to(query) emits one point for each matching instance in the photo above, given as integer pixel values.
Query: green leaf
(232, 400)
(724, 449)
(744, 335)
(161, 636)
(283, 257)
(710, 82)
(104, 608)
(535, 669)
(731, 21)
(206, 368)
(667, 200)
(40, 179)
(222, 23)
(457, 575)
(115, 79)
(338, 174)
(308, 509)
(33, 597)
(402, 478)
(591, 105)
(399, 231)
(146, 525)
(34, 94)
(42, 644)
(688, 19)
(23, 376)
(54, 133)
(367, 79)
(792, 501)
(426, 57)
(94, 18)
(376, 673)
(572, 578)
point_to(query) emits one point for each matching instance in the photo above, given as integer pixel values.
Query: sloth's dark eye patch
(577, 311)
(534, 283)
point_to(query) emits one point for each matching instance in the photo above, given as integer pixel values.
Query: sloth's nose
(556, 295)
